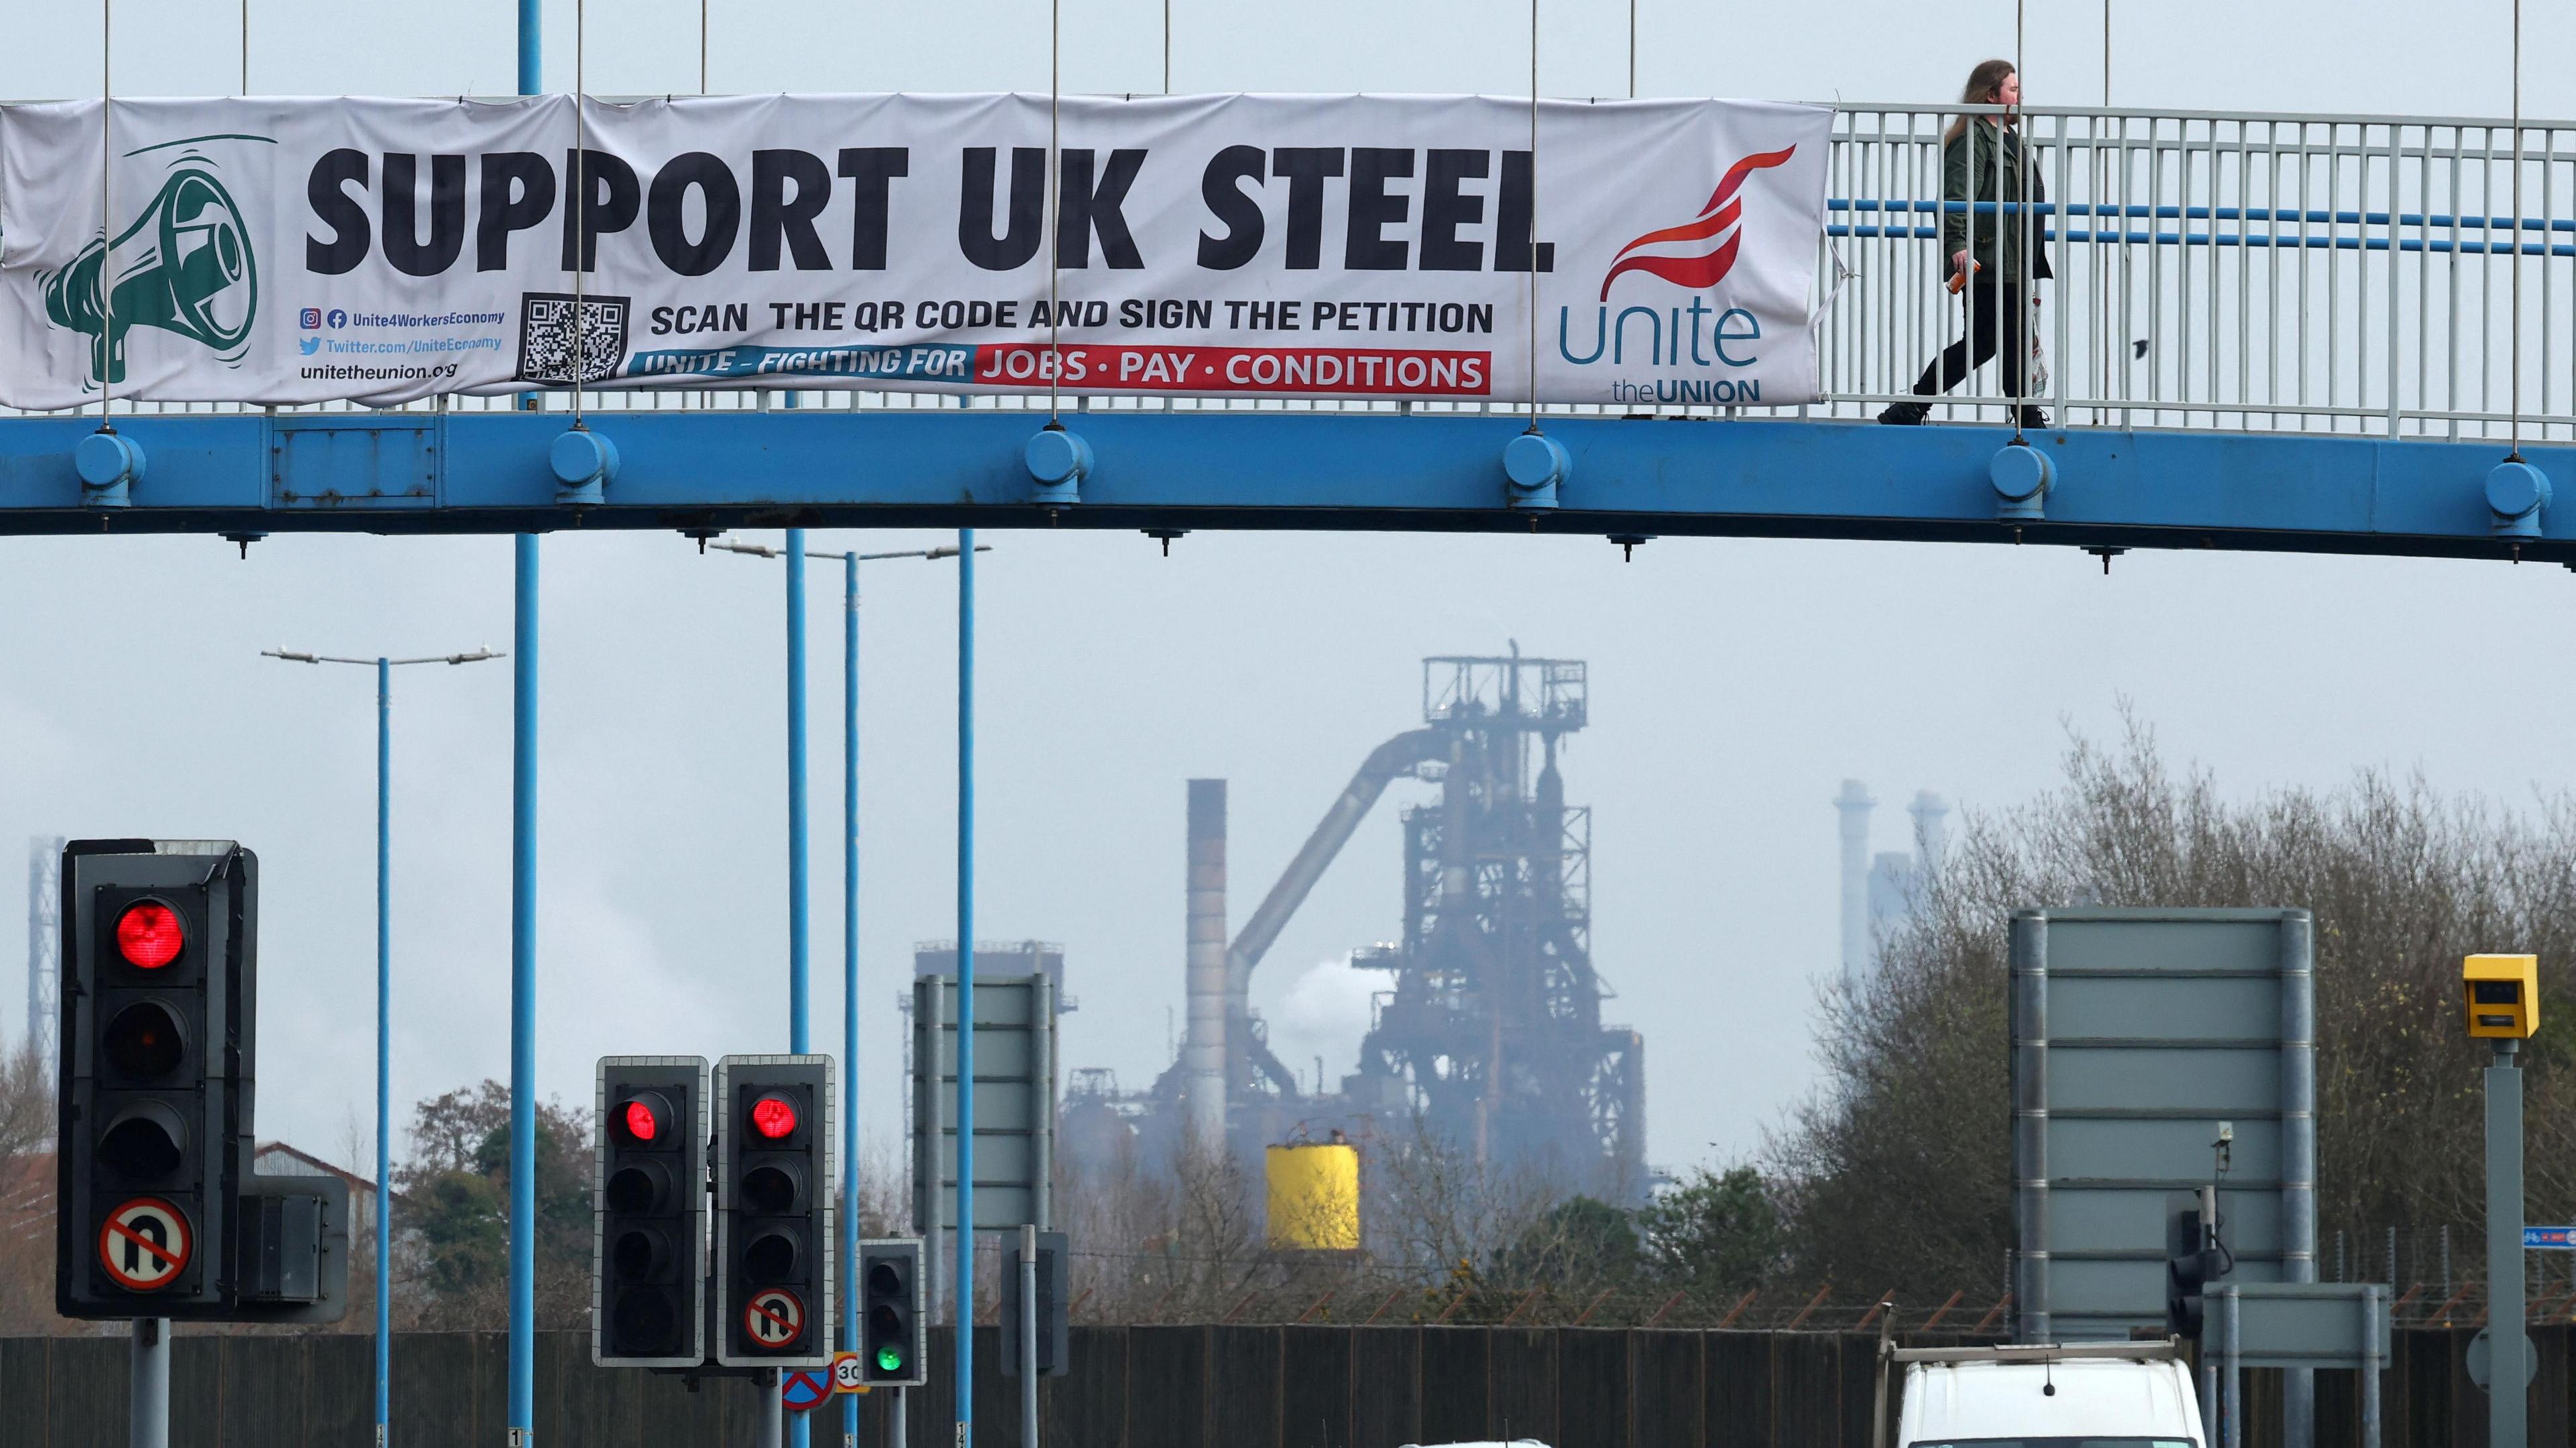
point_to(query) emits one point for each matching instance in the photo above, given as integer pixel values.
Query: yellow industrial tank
(1315, 1196)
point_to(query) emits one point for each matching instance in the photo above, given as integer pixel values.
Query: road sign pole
(896, 1427)
(2376, 1297)
(148, 1392)
(384, 1048)
(773, 1410)
(2507, 1405)
(963, 1303)
(1028, 1328)
(2234, 1407)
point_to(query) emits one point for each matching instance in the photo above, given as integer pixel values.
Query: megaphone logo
(184, 266)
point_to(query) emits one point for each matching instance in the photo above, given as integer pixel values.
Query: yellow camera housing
(2502, 994)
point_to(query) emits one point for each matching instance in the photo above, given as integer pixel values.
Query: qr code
(550, 329)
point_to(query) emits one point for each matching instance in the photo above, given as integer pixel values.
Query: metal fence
(2268, 272)
(1150, 1387)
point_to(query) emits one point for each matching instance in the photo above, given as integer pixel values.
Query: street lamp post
(795, 553)
(384, 668)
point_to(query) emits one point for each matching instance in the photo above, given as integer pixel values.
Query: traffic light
(649, 1238)
(893, 1335)
(2190, 1261)
(1054, 1331)
(155, 1089)
(161, 1209)
(773, 1262)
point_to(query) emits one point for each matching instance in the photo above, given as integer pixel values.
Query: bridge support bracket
(2022, 476)
(1534, 464)
(584, 463)
(109, 463)
(2517, 494)
(1058, 461)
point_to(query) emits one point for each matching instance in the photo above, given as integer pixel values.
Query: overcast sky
(1735, 683)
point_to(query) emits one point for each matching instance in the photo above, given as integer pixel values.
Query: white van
(2076, 1395)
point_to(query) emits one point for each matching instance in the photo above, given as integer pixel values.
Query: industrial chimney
(1931, 835)
(1855, 804)
(1203, 1049)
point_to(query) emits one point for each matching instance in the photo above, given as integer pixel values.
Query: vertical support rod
(963, 1313)
(523, 1000)
(2507, 1396)
(2208, 1388)
(2029, 1033)
(799, 898)
(898, 1426)
(800, 903)
(2298, 1154)
(2235, 1404)
(1027, 1327)
(523, 915)
(147, 1402)
(384, 1051)
(850, 983)
(2374, 1318)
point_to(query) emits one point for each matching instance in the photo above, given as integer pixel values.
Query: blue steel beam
(488, 472)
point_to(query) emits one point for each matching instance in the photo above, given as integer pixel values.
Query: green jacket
(2002, 167)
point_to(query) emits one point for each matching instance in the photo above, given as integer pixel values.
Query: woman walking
(1995, 255)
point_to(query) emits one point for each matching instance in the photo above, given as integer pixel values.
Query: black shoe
(1905, 414)
(2033, 418)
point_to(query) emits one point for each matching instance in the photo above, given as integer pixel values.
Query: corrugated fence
(1148, 1387)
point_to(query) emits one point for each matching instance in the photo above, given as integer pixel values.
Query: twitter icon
(308, 345)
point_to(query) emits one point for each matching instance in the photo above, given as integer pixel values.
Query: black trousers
(1995, 314)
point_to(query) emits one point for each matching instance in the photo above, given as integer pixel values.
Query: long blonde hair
(1985, 88)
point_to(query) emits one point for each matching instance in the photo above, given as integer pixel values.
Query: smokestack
(1203, 1051)
(1855, 804)
(1931, 835)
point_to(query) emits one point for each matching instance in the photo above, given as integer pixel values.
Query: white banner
(306, 250)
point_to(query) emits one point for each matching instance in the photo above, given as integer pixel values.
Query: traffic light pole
(849, 1219)
(799, 896)
(2507, 1408)
(148, 1392)
(963, 1312)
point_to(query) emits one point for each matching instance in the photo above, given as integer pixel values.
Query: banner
(1378, 247)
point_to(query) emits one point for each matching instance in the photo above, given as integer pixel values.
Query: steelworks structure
(1491, 1028)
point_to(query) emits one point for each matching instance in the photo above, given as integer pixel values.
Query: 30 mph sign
(144, 1244)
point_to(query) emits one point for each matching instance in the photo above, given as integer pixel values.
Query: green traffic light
(889, 1360)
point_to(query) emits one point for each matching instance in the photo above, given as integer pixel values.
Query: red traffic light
(773, 1116)
(642, 1123)
(149, 934)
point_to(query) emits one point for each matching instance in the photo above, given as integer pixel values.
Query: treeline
(1896, 1173)
(1893, 1175)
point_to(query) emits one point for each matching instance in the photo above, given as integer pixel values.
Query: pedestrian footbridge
(2297, 332)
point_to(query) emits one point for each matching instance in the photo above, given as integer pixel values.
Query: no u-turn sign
(144, 1244)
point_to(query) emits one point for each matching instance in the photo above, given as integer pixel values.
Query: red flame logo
(1723, 211)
